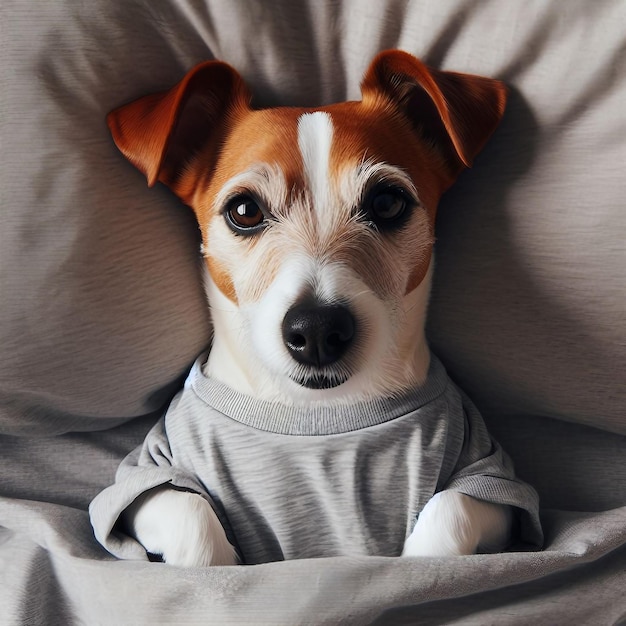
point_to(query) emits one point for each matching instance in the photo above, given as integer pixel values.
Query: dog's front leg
(453, 524)
(180, 526)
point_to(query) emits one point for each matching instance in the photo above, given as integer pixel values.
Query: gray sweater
(289, 483)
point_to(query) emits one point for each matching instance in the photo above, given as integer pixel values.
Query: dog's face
(317, 224)
(315, 239)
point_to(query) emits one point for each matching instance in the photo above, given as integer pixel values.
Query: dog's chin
(319, 381)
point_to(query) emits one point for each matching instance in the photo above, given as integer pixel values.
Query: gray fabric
(102, 310)
(289, 483)
(57, 574)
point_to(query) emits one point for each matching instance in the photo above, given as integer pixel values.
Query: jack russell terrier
(319, 424)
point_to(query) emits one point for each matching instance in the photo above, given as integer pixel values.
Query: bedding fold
(50, 560)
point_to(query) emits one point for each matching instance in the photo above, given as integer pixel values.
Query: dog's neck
(231, 361)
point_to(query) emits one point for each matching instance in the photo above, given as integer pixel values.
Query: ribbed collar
(321, 420)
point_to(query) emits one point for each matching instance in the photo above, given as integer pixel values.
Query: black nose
(318, 334)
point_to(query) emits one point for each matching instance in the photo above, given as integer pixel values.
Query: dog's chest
(285, 496)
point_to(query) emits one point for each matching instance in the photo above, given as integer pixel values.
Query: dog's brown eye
(244, 215)
(387, 207)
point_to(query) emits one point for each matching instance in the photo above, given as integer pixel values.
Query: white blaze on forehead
(315, 137)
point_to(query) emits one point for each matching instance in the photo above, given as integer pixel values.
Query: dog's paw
(453, 524)
(179, 526)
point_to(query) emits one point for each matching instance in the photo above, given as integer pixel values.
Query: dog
(317, 232)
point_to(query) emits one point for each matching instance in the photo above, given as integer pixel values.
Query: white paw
(181, 527)
(453, 524)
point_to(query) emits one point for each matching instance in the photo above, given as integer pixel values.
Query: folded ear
(161, 132)
(456, 112)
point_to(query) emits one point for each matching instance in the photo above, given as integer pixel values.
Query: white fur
(248, 353)
(354, 182)
(315, 137)
(453, 524)
(181, 527)
(266, 181)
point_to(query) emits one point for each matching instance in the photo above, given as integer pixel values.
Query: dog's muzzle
(318, 336)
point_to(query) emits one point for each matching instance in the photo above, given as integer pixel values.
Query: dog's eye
(244, 215)
(387, 207)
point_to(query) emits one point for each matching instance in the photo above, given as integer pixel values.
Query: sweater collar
(320, 420)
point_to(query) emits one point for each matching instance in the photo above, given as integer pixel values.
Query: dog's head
(317, 224)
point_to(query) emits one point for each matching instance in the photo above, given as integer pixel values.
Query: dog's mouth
(320, 381)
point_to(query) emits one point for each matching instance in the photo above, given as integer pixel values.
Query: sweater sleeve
(485, 471)
(148, 466)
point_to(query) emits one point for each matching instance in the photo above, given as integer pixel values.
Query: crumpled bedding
(102, 310)
(59, 575)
